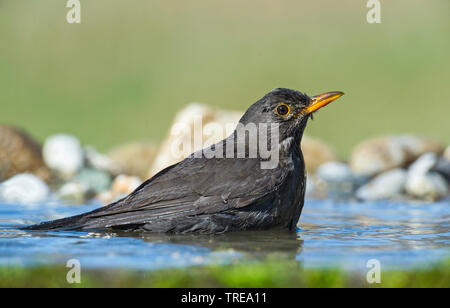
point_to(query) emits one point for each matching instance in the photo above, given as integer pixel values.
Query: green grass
(124, 72)
(268, 273)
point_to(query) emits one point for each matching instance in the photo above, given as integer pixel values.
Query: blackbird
(218, 194)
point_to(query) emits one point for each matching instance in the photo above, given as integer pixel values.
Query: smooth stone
(108, 197)
(24, 188)
(134, 158)
(19, 153)
(125, 184)
(316, 153)
(378, 155)
(338, 180)
(63, 154)
(387, 185)
(446, 154)
(93, 181)
(122, 186)
(315, 187)
(430, 186)
(443, 168)
(100, 161)
(72, 192)
(423, 164)
(422, 182)
(310, 189)
(335, 172)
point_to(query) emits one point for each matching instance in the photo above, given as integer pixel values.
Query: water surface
(330, 233)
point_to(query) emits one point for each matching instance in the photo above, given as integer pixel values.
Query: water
(331, 233)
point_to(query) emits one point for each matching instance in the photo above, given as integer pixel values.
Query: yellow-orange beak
(320, 101)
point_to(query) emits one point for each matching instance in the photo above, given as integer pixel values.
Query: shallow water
(347, 234)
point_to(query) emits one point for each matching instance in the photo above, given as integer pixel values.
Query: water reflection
(253, 244)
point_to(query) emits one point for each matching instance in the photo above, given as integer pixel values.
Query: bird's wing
(198, 186)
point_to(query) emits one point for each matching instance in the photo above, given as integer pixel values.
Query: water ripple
(348, 234)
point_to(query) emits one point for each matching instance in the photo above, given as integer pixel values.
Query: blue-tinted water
(348, 234)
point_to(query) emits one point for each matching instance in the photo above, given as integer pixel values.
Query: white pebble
(423, 164)
(63, 154)
(310, 187)
(381, 154)
(72, 191)
(430, 186)
(424, 184)
(125, 184)
(385, 186)
(100, 161)
(335, 172)
(447, 153)
(24, 188)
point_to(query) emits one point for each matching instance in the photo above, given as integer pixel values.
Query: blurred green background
(131, 65)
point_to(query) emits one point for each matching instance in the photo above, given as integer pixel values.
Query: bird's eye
(283, 109)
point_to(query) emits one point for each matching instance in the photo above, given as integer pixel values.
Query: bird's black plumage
(213, 195)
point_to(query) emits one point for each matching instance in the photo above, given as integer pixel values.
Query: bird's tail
(100, 218)
(64, 224)
(89, 220)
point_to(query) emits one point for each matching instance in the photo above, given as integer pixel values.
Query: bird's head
(290, 109)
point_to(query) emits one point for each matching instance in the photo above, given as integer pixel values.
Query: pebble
(122, 186)
(19, 153)
(63, 154)
(378, 155)
(423, 164)
(429, 186)
(443, 168)
(93, 181)
(100, 161)
(134, 158)
(107, 197)
(338, 179)
(447, 153)
(422, 182)
(24, 188)
(315, 187)
(387, 185)
(310, 188)
(72, 192)
(316, 153)
(335, 172)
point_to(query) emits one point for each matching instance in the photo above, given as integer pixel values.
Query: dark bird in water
(219, 194)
